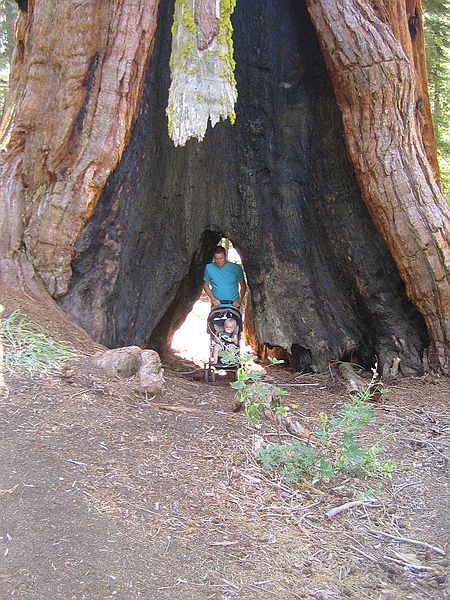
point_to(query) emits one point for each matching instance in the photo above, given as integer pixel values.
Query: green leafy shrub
(254, 395)
(331, 450)
(336, 449)
(291, 460)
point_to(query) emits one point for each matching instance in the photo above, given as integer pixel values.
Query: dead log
(355, 384)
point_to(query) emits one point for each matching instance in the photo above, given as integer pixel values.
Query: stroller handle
(228, 303)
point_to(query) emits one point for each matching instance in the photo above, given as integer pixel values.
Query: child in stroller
(224, 328)
(228, 339)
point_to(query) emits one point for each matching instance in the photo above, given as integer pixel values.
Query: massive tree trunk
(121, 237)
(374, 85)
(76, 83)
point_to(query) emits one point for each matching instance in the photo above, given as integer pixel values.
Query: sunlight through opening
(191, 341)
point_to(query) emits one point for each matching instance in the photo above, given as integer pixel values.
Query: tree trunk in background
(374, 85)
(405, 18)
(10, 20)
(118, 223)
(76, 83)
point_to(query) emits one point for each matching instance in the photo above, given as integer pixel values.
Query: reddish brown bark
(374, 85)
(77, 77)
(405, 18)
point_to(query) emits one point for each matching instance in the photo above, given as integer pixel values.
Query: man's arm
(208, 292)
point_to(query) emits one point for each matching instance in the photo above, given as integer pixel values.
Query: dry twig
(9, 490)
(338, 509)
(177, 408)
(404, 540)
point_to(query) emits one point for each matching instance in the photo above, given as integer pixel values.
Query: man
(223, 281)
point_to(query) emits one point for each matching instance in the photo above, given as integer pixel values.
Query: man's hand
(237, 304)
(208, 292)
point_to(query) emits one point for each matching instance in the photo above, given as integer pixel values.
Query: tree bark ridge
(405, 18)
(77, 80)
(374, 87)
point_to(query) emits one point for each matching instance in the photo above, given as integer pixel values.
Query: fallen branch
(404, 540)
(425, 443)
(299, 384)
(368, 556)
(224, 543)
(9, 490)
(354, 382)
(409, 565)
(338, 509)
(177, 408)
(381, 561)
(188, 372)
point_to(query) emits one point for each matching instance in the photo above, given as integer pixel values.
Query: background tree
(405, 203)
(8, 15)
(437, 37)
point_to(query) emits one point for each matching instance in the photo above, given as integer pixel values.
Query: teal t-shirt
(224, 280)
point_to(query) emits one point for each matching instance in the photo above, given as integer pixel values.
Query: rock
(121, 362)
(151, 380)
(132, 361)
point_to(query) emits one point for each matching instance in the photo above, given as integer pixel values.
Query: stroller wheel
(210, 374)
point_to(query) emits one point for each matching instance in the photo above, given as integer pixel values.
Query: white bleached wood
(203, 87)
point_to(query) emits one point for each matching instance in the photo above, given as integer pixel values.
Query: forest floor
(105, 493)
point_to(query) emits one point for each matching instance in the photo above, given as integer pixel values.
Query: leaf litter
(179, 494)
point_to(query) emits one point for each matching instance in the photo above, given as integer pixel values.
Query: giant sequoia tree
(326, 183)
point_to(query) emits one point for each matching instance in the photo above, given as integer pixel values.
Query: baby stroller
(215, 328)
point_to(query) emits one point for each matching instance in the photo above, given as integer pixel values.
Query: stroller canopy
(219, 314)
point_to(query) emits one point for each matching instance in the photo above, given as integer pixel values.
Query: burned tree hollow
(277, 183)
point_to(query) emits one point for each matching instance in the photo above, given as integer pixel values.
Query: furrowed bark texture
(405, 17)
(278, 184)
(374, 86)
(76, 84)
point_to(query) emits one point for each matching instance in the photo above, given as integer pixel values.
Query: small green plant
(335, 448)
(372, 492)
(291, 460)
(332, 449)
(28, 346)
(254, 395)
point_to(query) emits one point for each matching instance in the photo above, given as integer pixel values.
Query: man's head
(220, 256)
(229, 326)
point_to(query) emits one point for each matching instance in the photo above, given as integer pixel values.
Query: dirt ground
(105, 493)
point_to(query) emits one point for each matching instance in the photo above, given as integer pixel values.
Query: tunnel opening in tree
(190, 340)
